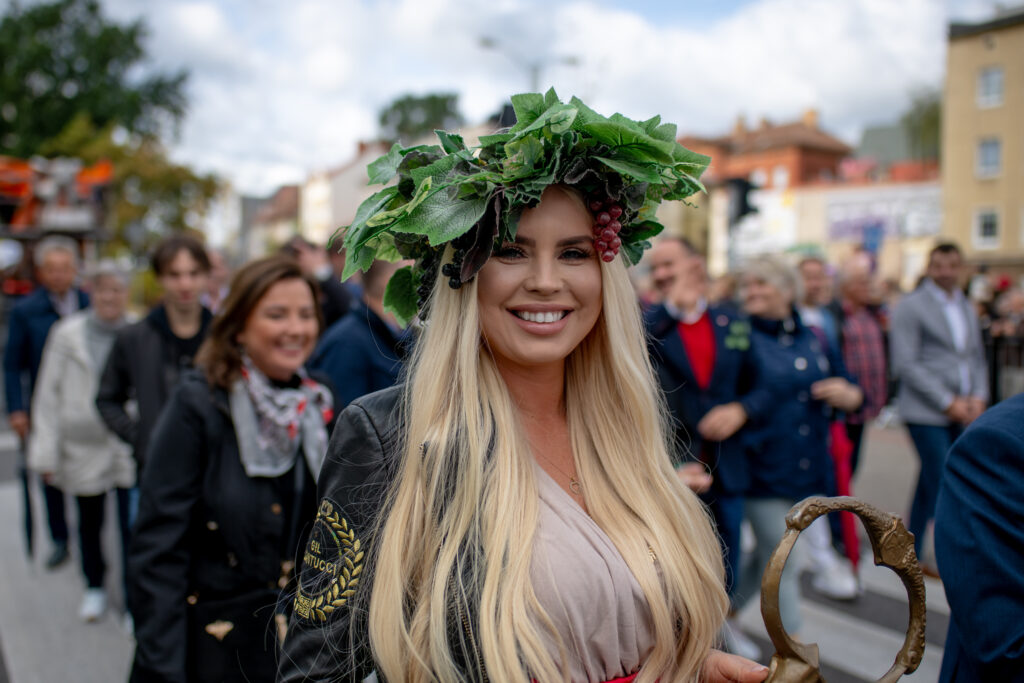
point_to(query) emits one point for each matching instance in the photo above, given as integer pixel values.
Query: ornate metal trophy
(893, 545)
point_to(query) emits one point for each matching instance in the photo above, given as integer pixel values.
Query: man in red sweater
(701, 354)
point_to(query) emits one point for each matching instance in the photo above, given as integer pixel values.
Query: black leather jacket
(327, 637)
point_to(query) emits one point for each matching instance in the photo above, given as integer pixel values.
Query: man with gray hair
(56, 260)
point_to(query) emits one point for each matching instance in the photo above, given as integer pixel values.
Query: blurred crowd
(207, 417)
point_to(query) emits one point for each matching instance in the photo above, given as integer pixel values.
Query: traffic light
(739, 199)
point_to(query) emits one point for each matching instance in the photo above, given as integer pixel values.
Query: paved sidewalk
(40, 634)
(42, 640)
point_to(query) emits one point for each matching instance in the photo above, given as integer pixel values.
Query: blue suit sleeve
(15, 361)
(979, 539)
(347, 368)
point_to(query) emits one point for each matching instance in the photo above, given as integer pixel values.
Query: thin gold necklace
(574, 483)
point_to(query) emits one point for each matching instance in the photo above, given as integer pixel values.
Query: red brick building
(773, 156)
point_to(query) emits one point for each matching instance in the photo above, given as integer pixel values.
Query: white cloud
(279, 89)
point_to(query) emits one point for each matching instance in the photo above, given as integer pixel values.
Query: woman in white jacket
(70, 445)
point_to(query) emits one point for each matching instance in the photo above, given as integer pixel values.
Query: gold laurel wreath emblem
(343, 586)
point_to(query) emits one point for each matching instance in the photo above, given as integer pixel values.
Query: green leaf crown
(473, 197)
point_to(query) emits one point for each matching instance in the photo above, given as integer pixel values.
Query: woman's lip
(542, 329)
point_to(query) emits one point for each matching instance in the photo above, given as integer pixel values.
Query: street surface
(42, 640)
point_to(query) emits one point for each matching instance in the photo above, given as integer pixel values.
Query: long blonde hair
(456, 542)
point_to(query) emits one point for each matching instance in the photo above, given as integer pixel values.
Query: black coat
(208, 540)
(327, 639)
(143, 365)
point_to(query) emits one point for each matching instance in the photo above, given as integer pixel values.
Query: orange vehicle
(52, 194)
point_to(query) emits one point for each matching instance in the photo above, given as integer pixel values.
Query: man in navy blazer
(29, 325)
(979, 545)
(363, 351)
(701, 354)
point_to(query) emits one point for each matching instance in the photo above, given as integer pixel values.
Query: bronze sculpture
(893, 546)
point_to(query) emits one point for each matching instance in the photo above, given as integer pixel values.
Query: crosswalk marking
(859, 647)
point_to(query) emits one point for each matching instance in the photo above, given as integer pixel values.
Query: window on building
(780, 177)
(990, 86)
(986, 229)
(989, 157)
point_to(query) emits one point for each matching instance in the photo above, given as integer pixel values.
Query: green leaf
(584, 115)
(434, 170)
(389, 216)
(496, 139)
(616, 134)
(440, 219)
(357, 234)
(450, 142)
(644, 230)
(651, 124)
(557, 119)
(633, 251)
(400, 295)
(551, 98)
(522, 156)
(666, 132)
(528, 106)
(356, 260)
(642, 172)
(384, 248)
(695, 163)
(384, 168)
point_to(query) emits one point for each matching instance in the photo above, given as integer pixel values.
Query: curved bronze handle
(893, 545)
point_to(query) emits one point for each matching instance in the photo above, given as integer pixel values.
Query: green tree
(63, 58)
(151, 195)
(922, 123)
(413, 116)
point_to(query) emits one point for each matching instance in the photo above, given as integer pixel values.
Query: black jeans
(91, 513)
(90, 524)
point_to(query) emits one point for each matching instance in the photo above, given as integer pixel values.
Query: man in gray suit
(938, 358)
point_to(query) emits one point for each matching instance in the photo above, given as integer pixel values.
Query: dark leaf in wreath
(485, 232)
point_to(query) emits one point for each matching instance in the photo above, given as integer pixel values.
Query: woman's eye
(576, 254)
(509, 251)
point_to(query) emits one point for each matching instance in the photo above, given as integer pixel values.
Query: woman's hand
(695, 476)
(722, 421)
(720, 667)
(838, 393)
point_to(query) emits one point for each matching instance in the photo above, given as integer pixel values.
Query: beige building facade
(899, 222)
(983, 140)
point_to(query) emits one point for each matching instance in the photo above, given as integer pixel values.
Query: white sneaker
(736, 642)
(93, 604)
(837, 582)
(128, 624)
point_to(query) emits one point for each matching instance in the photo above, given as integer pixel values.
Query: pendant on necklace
(574, 486)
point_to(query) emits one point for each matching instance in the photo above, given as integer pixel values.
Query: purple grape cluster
(606, 228)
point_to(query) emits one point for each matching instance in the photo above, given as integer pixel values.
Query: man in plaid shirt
(863, 349)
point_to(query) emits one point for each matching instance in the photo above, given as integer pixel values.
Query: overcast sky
(278, 89)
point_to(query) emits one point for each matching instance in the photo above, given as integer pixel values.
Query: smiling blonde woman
(510, 512)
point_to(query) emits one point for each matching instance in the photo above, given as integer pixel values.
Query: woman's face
(541, 295)
(763, 299)
(281, 331)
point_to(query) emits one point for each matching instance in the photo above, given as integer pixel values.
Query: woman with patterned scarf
(230, 480)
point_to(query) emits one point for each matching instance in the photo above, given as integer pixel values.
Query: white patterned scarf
(271, 422)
